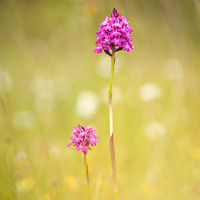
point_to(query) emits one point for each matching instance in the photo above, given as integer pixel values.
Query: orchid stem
(112, 147)
(87, 176)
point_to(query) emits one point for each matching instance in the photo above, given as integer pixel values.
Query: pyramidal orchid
(113, 36)
(83, 138)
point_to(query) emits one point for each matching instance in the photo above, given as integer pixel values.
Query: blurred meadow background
(50, 81)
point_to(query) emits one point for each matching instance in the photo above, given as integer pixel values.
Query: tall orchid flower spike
(113, 35)
(83, 138)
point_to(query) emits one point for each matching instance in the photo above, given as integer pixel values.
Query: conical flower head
(114, 34)
(83, 138)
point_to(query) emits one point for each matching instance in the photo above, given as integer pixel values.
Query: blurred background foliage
(50, 81)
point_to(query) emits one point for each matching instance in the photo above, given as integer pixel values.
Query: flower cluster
(114, 34)
(82, 138)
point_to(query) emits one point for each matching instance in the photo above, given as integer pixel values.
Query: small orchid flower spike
(83, 138)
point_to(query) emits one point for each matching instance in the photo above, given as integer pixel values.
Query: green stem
(112, 147)
(87, 176)
(112, 73)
